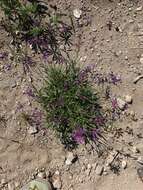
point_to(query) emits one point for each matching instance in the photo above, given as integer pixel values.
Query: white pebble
(135, 150)
(139, 8)
(3, 182)
(99, 170)
(140, 160)
(11, 186)
(124, 164)
(57, 183)
(128, 99)
(121, 103)
(141, 59)
(42, 175)
(77, 13)
(32, 130)
(89, 166)
(69, 158)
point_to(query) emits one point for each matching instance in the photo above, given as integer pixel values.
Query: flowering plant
(72, 107)
(31, 22)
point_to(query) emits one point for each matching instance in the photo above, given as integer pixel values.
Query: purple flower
(28, 60)
(114, 79)
(3, 55)
(79, 136)
(114, 103)
(83, 75)
(36, 117)
(19, 107)
(94, 134)
(7, 67)
(29, 92)
(46, 55)
(99, 121)
(99, 78)
(89, 68)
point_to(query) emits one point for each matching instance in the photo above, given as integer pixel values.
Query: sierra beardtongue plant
(72, 108)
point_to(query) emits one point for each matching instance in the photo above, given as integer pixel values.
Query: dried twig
(137, 79)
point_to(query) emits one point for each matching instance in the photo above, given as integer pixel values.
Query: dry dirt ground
(111, 36)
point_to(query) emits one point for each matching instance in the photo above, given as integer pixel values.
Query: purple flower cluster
(29, 92)
(36, 117)
(27, 63)
(80, 135)
(3, 55)
(114, 103)
(47, 47)
(99, 121)
(114, 79)
(84, 73)
(94, 134)
(38, 41)
(19, 107)
(7, 67)
(115, 109)
(109, 78)
(99, 78)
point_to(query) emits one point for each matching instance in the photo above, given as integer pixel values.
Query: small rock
(83, 58)
(42, 170)
(126, 57)
(11, 186)
(16, 184)
(10, 56)
(94, 166)
(70, 177)
(57, 172)
(16, 32)
(135, 150)
(117, 53)
(128, 99)
(89, 166)
(131, 21)
(13, 85)
(87, 172)
(32, 130)
(83, 168)
(99, 170)
(105, 173)
(31, 46)
(121, 103)
(94, 29)
(56, 181)
(40, 184)
(77, 13)
(141, 59)
(70, 158)
(106, 168)
(3, 181)
(140, 160)
(41, 175)
(139, 8)
(132, 113)
(124, 164)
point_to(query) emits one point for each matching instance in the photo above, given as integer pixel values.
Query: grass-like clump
(72, 106)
